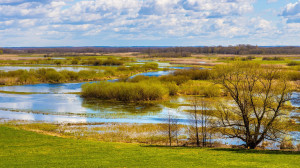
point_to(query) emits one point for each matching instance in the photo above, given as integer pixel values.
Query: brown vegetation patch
(17, 57)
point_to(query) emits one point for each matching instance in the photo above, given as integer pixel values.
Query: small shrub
(112, 61)
(139, 78)
(150, 66)
(180, 79)
(286, 143)
(57, 62)
(202, 88)
(54, 77)
(173, 88)
(293, 63)
(74, 62)
(273, 58)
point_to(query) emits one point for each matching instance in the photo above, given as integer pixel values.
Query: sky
(46, 23)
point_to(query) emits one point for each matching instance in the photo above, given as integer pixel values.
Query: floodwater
(61, 107)
(54, 103)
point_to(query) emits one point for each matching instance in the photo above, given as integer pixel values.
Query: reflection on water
(154, 74)
(120, 107)
(62, 105)
(295, 99)
(45, 88)
(180, 67)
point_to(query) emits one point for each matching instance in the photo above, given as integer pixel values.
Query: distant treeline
(165, 51)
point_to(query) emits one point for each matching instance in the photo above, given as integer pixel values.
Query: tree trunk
(251, 145)
(170, 136)
(196, 128)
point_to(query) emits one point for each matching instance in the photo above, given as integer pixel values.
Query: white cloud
(292, 12)
(50, 20)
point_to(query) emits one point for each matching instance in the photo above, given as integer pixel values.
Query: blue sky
(39, 23)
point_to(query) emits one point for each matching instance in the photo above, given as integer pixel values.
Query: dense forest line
(167, 51)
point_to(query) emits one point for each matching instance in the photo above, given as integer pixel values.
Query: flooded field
(61, 103)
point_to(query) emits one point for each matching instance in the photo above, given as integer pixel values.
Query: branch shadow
(257, 151)
(249, 151)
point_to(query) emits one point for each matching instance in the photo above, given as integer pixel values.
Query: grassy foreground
(19, 148)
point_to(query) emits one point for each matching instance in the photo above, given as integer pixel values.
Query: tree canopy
(257, 110)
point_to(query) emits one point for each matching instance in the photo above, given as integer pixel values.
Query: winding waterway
(58, 103)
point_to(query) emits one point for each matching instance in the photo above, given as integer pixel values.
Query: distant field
(21, 148)
(20, 57)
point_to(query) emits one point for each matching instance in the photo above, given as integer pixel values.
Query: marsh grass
(203, 88)
(50, 75)
(127, 92)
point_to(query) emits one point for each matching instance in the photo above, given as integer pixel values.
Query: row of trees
(237, 50)
(256, 111)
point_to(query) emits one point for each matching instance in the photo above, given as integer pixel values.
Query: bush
(126, 92)
(173, 88)
(150, 66)
(74, 62)
(139, 78)
(248, 58)
(273, 58)
(112, 61)
(202, 88)
(70, 75)
(57, 62)
(286, 143)
(180, 79)
(54, 77)
(293, 63)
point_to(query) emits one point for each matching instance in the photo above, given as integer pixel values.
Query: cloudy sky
(149, 22)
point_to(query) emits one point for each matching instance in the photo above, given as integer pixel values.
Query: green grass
(19, 148)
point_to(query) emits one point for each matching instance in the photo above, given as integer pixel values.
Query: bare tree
(195, 119)
(259, 95)
(169, 129)
(172, 129)
(205, 122)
